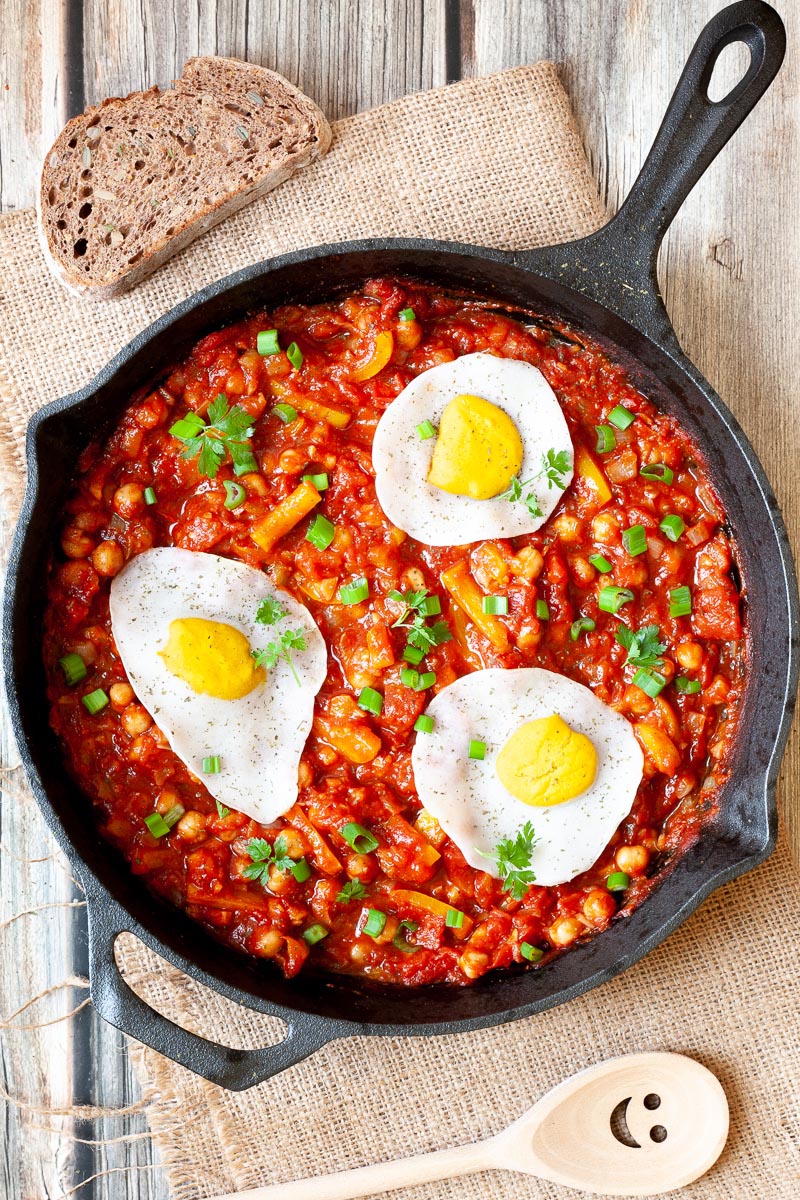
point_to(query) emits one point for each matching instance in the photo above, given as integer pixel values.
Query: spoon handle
(381, 1177)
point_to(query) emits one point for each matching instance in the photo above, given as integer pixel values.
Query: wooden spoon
(630, 1126)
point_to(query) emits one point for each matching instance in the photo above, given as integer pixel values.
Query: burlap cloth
(495, 161)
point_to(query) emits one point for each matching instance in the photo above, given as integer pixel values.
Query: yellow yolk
(478, 450)
(545, 762)
(213, 658)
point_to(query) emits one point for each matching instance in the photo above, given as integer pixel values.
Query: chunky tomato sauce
(356, 766)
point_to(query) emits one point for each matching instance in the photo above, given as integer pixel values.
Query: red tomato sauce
(356, 767)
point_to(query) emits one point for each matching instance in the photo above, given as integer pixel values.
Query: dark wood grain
(730, 265)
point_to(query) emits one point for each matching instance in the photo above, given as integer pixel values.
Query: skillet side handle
(621, 257)
(235, 1070)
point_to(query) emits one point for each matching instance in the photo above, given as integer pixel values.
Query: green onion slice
(618, 881)
(188, 426)
(424, 724)
(426, 430)
(235, 495)
(542, 611)
(400, 939)
(95, 701)
(532, 953)
(454, 918)
(301, 870)
(74, 669)
(413, 655)
(621, 417)
(370, 700)
(150, 495)
(583, 624)
(320, 481)
(314, 934)
(495, 605)
(606, 439)
(156, 824)
(658, 471)
(651, 682)
(635, 540)
(407, 314)
(358, 838)
(673, 526)
(680, 601)
(267, 342)
(611, 599)
(431, 606)
(285, 413)
(355, 592)
(320, 532)
(375, 922)
(600, 563)
(295, 356)
(686, 686)
(477, 749)
(212, 764)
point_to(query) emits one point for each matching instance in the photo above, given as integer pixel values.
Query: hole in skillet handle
(729, 71)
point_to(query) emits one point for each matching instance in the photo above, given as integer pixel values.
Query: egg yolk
(212, 657)
(478, 450)
(545, 762)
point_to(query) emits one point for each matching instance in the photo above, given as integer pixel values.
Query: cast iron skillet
(605, 284)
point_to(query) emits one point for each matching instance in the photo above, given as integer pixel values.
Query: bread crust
(98, 207)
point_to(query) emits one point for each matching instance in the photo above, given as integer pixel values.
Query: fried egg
(554, 756)
(449, 446)
(185, 627)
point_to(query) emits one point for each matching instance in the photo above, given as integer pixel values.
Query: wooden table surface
(731, 268)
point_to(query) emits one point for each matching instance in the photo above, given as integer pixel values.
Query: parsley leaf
(513, 858)
(264, 856)
(411, 601)
(222, 811)
(644, 646)
(353, 890)
(226, 431)
(420, 636)
(269, 611)
(282, 647)
(555, 465)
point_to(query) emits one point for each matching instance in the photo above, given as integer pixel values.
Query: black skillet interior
(604, 285)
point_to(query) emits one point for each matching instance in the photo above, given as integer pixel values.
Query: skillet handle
(617, 265)
(235, 1070)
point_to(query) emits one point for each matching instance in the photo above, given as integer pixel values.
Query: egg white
(402, 459)
(259, 737)
(470, 803)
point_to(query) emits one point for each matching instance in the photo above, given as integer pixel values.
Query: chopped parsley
(283, 647)
(222, 811)
(513, 858)
(227, 431)
(555, 465)
(644, 645)
(264, 856)
(269, 611)
(416, 608)
(353, 890)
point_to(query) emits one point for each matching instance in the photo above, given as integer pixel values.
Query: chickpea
(75, 543)
(599, 906)
(128, 500)
(565, 930)
(255, 484)
(266, 943)
(292, 461)
(474, 963)
(136, 720)
(582, 570)
(408, 335)
(120, 695)
(304, 775)
(281, 883)
(166, 800)
(528, 563)
(689, 655)
(633, 860)
(296, 844)
(567, 528)
(606, 526)
(192, 826)
(360, 866)
(108, 558)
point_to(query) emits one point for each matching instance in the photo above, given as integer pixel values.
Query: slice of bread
(130, 183)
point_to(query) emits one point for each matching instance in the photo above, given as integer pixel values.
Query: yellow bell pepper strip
(468, 596)
(587, 468)
(379, 356)
(429, 904)
(285, 515)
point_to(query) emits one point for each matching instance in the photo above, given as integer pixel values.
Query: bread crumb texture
(129, 183)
